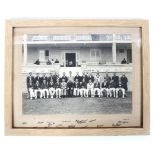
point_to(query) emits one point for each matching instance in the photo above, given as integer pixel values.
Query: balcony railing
(78, 37)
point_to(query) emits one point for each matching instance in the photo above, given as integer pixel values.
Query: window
(46, 53)
(95, 54)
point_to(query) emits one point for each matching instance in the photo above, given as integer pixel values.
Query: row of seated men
(83, 86)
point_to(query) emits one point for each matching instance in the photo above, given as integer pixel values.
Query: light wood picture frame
(135, 122)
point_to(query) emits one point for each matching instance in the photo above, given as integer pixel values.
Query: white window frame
(95, 56)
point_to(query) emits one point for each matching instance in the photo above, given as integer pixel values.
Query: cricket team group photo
(86, 85)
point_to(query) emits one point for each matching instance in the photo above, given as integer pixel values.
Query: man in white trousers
(51, 88)
(58, 89)
(37, 89)
(105, 88)
(76, 88)
(45, 92)
(90, 89)
(83, 88)
(121, 89)
(97, 88)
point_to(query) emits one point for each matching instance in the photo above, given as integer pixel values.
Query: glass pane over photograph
(84, 77)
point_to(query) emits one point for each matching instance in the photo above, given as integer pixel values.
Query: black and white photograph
(77, 76)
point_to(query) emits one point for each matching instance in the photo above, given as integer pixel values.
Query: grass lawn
(77, 105)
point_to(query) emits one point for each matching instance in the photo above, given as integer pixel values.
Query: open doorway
(70, 59)
(129, 56)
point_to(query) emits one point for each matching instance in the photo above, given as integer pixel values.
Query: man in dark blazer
(30, 80)
(64, 77)
(44, 77)
(91, 77)
(76, 91)
(86, 77)
(37, 89)
(54, 77)
(105, 88)
(50, 78)
(70, 87)
(44, 87)
(30, 84)
(115, 79)
(83, 77)
(124, 82)
(77, 76)
(107, 78)
(37, 78)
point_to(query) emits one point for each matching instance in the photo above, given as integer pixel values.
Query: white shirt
(98, 77)
(90, 86)
(71, 78)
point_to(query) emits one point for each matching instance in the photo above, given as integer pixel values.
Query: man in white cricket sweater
(90, 88)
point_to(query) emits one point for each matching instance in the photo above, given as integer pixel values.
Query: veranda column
(25, 49)
(114, 49)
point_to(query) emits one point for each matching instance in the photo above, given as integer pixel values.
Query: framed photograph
(77, 77)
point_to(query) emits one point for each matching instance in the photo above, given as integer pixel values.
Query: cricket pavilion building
(78, 53)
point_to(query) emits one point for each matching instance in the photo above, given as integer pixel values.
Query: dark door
(129, 56)
(70, 59)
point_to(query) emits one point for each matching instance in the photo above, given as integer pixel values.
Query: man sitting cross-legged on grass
(112, 88)
(83, 88)
(51, 88)
(63, 88)
(90, 89)
(105, 88)
(120, 89)
(45, 92)
(37, 89)
(76, 88)
(58, 89)
(97, 88)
